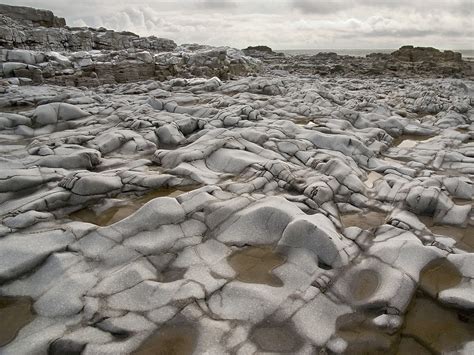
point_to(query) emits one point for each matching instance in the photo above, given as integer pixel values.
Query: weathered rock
(279, 212)
(420, 54)
(31, 16)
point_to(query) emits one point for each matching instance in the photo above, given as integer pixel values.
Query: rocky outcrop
(92, 68)
(15, 34)
(425, 54)
(405, 62)
(90, 57)
(32, 17)
(261, 52)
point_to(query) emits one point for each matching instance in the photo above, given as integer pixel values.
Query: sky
(280, 24)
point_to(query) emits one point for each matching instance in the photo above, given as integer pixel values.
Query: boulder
(54, 112)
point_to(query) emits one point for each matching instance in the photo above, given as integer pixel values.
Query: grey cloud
(280, 24)
(319, 7)
(216, 4)
(460, 7)
(401, 33)
(464, 8)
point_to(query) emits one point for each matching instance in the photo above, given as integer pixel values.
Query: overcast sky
(283, 24)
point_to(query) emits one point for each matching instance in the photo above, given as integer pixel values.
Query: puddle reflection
(255, 265)
(119, 212)
(363, 220)
(15, 313)
(170, 339)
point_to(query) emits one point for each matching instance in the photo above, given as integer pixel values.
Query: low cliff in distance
(32, 17)
(32, 29)
(408, 61)
(39, 48)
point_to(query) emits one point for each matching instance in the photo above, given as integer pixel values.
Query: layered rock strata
(407, 62)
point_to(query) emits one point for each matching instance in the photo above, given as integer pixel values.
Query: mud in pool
(428, 328)
(119, 212)
(171, 275)
(439, 275)
(18, 109)
(362, 337)
(409, 140)
(364, 284)
(170, 339)
(255, 265)
(15, 313)
(437, 328)
(275, 338)
(372, 177)
(363, 220)
(409, 346)
(462, 202)
(12, 140)
(429, 324)
(302, 120)
(464, 236)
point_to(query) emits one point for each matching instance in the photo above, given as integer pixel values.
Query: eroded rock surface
(406, 62)
(296, 214)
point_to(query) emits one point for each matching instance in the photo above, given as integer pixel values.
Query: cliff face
(425, 54)
(27, 28)
(32, 17)
(408, 61)
(39, 48)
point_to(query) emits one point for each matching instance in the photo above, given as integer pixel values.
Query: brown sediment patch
(188, 102)
(255, 264)
(363, 337)
(170, 275)
(229, 178)
(438, 275)
(276, 338)
(461, 201)
(170, 339)
(157, 168)
(363, 220)
(15, 313)
(364, 284)
(429, 327)
(117, 213)
(230, 93)
(437, 328)
(464, 236)
(302, 120)
(17, 108)
(372, 177)
(401, 160)
(409, 140)
(409, 346)
(18, 140)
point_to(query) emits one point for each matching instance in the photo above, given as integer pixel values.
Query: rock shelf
(228, 208)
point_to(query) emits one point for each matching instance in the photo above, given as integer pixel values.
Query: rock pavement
(269, 213)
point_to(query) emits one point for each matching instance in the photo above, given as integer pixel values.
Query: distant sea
(466, 53)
